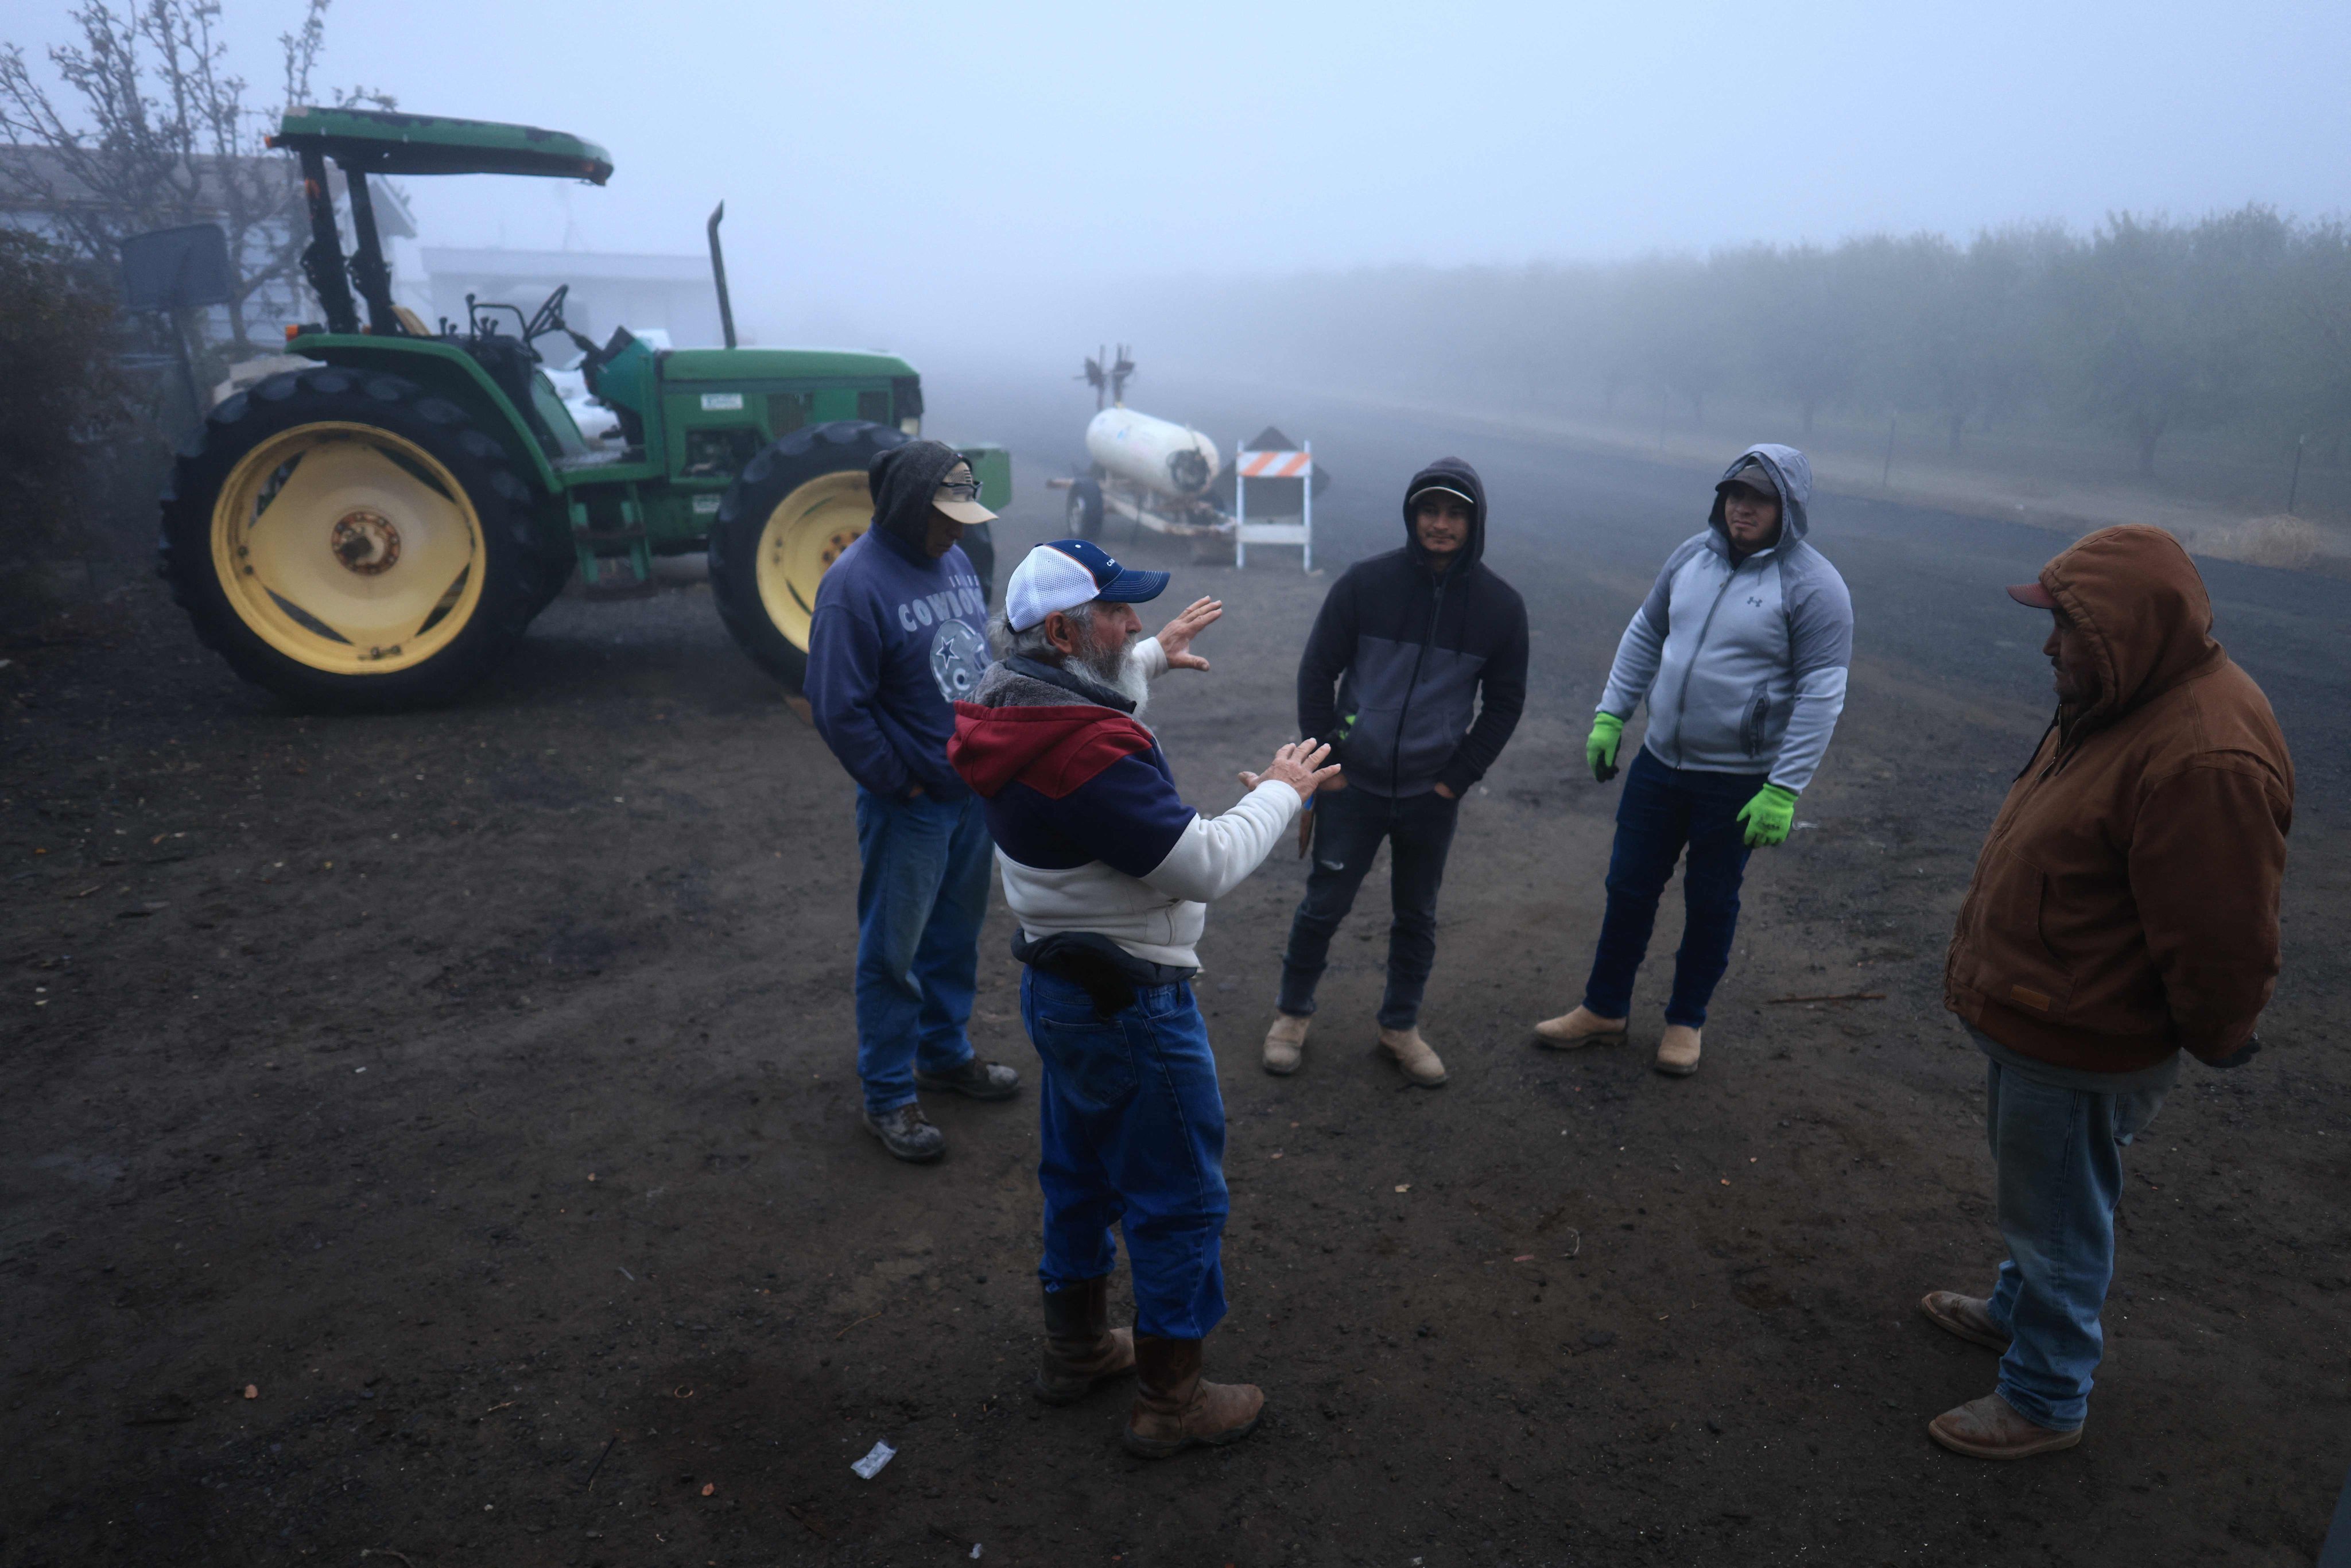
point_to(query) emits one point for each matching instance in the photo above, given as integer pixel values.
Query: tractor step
(589, 543)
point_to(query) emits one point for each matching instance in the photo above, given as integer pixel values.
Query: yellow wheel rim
(803, 536)
(347, 548)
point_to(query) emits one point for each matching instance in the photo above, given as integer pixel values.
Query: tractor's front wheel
(350, 541)
(784, 521)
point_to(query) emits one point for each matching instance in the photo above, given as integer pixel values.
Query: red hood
(1051, 749)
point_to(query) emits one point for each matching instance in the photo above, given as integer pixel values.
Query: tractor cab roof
(385, 141)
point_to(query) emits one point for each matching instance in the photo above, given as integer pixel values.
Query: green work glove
(1768, 816)
(1600, 746)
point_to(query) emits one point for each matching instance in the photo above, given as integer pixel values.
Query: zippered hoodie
(1743, 663)
(2125, 905)
(895, 637)
(1418, 679)
(1090, 836)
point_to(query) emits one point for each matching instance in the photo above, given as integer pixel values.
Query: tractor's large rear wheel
(350, 541)
(785, 520)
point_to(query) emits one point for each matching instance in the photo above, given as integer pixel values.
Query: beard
(1117, 669)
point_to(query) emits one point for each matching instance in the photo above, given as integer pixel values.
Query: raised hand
(1299, 765)
(1176, 637)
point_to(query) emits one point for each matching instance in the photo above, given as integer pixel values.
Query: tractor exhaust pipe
(718, 276)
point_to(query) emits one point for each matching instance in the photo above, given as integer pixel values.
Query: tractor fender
(450, 372)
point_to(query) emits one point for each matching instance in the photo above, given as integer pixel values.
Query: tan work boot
(1678, 1051)
(1080, 1347)
(1285, 1042)
(1966, 1317)
(1175, 1407)
(1990, 1429)
(1580, 1027)
(1412, 1053)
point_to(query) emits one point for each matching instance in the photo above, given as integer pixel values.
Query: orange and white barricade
(1298, 530)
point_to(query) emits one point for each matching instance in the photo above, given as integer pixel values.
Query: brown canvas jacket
(2124, 905)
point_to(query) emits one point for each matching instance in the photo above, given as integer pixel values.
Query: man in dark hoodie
(1418, 662)
(2124, 909)
(898, 635)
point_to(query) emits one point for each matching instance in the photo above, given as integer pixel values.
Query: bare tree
(151, 128)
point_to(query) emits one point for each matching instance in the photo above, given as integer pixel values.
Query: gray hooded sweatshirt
(1743, 665)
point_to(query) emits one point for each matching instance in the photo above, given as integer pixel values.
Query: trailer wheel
(350, 541)
(1084, 519)
(783, 522)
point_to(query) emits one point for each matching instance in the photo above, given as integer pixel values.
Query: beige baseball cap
(958, 497)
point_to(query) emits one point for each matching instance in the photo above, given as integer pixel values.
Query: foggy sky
(928, 170)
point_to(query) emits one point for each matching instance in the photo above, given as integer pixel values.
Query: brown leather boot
(1175, 1407)
(1968, 1317)
(1991, 1428)
(1080, 1347)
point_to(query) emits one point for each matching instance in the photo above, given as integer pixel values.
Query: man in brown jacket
(2124, 908)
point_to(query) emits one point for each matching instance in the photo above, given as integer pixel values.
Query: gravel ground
(435, 1135)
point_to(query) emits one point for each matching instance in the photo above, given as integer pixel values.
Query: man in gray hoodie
(1740, 650)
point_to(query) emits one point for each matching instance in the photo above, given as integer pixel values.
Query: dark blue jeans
(1132, 1128)
(1663, 810)
(1349, 826)
(920, 899)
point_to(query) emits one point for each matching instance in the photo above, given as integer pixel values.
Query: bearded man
(1110, 875)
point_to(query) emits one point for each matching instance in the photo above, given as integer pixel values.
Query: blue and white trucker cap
(1070, 572)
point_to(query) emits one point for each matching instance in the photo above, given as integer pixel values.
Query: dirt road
(475, 1086)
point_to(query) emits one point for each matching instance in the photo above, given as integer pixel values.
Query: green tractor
(378, 531)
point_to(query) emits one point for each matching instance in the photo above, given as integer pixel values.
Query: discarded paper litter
(870, 1464)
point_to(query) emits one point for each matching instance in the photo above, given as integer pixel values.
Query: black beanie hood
(904, 479)
(1454, 475)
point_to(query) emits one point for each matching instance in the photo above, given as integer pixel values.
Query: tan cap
(966, 511)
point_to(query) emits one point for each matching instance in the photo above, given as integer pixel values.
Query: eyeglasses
(963, 490)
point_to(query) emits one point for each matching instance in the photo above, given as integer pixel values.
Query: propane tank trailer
(1162, 475)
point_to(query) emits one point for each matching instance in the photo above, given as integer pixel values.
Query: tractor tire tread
(784, 465)
(503, 502)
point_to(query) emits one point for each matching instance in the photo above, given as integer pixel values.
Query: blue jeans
(1134, 1136)
(1349, 826)
(920, 900)
(1662, 810)
(2059, 1153)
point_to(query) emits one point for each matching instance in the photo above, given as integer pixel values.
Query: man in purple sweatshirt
(897, 636)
